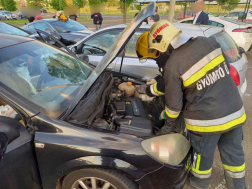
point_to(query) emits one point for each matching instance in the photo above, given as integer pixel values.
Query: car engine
(120, 112)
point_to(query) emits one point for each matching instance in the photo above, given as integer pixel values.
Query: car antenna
(122, 59)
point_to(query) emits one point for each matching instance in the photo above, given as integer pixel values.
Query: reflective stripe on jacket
(197, 72)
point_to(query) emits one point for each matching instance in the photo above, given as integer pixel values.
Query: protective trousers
(232, 157)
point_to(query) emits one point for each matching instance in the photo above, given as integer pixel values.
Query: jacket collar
(181, 40)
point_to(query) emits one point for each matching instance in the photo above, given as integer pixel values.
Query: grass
(82, 20)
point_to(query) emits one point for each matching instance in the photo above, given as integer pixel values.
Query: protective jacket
(201, 76)
(158, 88)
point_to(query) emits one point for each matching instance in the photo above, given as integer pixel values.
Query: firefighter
(196, 71)
(155, 86)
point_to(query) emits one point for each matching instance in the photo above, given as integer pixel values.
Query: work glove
(151, 81)
(141, 89)
(167, 128)
(162, 115)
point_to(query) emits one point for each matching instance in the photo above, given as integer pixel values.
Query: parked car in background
(70, 30)
(14, 16)
(43, 10)
(239, 31)
(96, 45)
(65, 138)
(5, 15)
(235, 15)
(13, 30)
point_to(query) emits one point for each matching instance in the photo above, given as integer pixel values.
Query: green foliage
(138, 7)
(36, 3)
(80, 3)
(228, 5)
(10, 5)
(125, 5)
(2, 3)
(94, 2)
(58, 4)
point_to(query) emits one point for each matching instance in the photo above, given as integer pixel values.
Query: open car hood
(112, 53)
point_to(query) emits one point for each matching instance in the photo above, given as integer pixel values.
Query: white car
(238, 14)
(4, 15)
(239, 31)
(97, 44)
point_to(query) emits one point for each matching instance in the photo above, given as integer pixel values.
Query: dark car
(43, 10)
(75, 129)
(70, 30)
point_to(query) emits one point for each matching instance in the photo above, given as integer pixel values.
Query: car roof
(9, 40)
(49, 20)
(199, 30)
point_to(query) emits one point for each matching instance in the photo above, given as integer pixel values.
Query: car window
(213, 23)
(131, 46)
(188, 21)
(228, 46)
(45, 76)
(5, 28)
(44, 27)
(68, 26)
(99, 44)
(232, 14)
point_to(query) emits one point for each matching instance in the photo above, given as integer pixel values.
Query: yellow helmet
(161, 34)
(142, 48)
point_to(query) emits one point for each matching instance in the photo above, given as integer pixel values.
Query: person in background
(55, 13)
(73, 17)
(201, 17)
(20, 15)
(155, 17)
(38, 17)
(97, 20)
(31, 19)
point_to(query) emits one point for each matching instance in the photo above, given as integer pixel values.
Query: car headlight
(170, 149)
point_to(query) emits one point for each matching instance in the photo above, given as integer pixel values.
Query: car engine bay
(107, 107)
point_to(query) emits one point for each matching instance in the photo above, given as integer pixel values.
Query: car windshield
(8, 29)
(228, 46)
(45, 76)
(68, 26)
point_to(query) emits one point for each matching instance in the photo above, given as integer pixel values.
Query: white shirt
(196, 17)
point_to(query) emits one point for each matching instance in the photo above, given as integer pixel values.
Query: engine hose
(92, 117)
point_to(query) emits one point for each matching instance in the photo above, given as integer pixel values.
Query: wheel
(97, 179)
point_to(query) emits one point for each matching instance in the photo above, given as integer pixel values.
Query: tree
(94, 2)
(228, 5)
(80, 3)
(10, 5)
(58, 4)
(36, 3)
(124, 5)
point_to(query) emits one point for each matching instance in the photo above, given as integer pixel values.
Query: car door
(97, 46)
(131, 65)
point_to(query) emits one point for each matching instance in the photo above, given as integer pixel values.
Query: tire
(101, 177)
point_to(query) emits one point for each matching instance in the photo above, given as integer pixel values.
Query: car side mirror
(85, 59)
(241, 50)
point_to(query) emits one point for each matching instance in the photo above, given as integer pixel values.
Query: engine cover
(140, 125)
